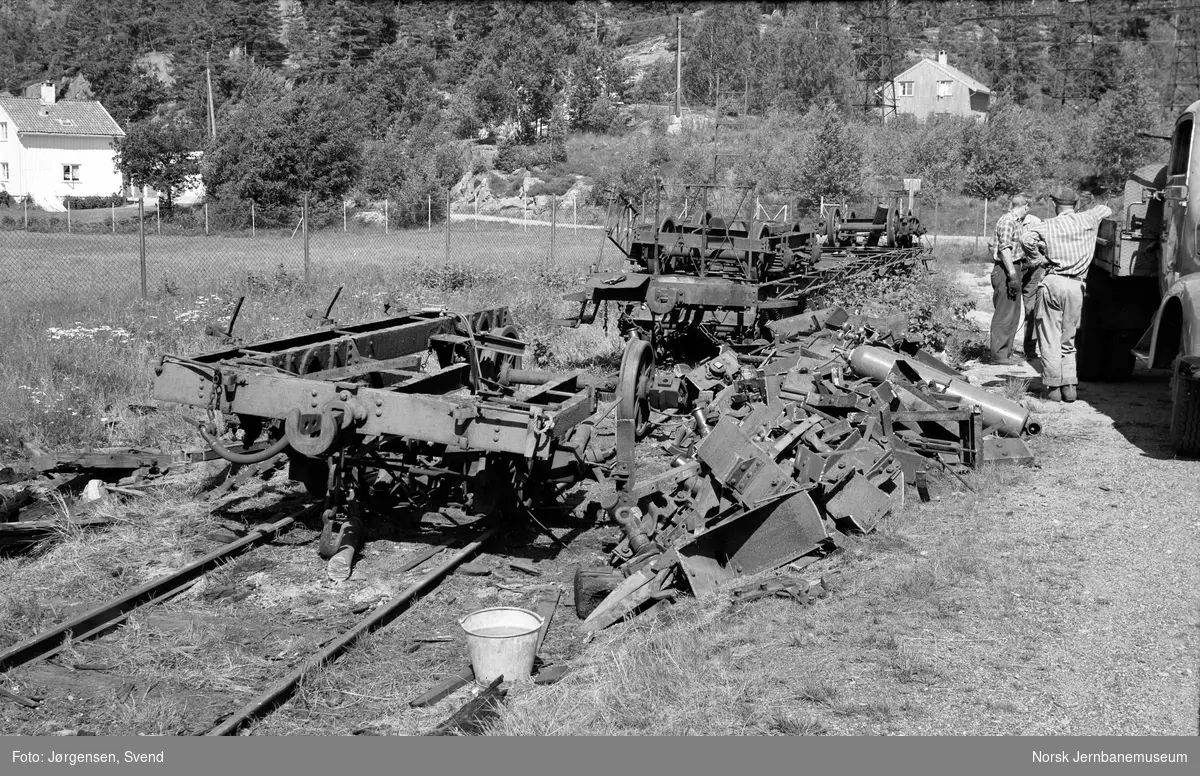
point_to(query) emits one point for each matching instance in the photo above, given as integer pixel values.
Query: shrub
(92, 202)
(936, 307)
(6, 199)
(512, 157)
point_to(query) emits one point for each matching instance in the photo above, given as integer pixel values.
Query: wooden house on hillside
(53, 149)
(933, 87)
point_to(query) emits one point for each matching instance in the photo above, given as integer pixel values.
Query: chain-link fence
(139, 251)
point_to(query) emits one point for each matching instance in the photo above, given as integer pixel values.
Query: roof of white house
(65, 117)
(951, 71)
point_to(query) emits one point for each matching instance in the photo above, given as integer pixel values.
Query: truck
(1142, 295)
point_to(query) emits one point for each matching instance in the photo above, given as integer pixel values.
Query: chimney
(47, 93)
(941, 57)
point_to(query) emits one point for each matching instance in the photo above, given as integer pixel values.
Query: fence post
(68, 215)
(142, 241)
(304, 221)
(205, 217)
(553, 223)
(26, 212)
(985, 205)
(477, 211)
(429, 210)
(525, 211)
(253, 226)
(113, 209)
(385, 215)
(575, 211)
(158, 217)
(447, 228)
(343, 215)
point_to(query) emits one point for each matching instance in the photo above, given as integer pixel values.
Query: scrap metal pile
(779, 454)
(693, 286)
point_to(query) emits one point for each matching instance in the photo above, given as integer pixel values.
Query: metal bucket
(502, 641)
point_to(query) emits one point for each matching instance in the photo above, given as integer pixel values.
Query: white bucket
(502, 641)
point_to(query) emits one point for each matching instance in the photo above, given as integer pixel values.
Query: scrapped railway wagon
(691, 288)
(414, 412)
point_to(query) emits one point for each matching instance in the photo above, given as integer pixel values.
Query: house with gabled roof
(933, 87)
(51, 149)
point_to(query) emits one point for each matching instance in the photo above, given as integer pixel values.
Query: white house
(50, 150)
(937, 87)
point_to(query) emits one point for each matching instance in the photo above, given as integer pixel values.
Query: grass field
(82, 344)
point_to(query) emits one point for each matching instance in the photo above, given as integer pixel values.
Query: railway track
(108, 616)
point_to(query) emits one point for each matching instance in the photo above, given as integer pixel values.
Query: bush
(6, 199)
(936, 307)
(512, 157)
(92, 202)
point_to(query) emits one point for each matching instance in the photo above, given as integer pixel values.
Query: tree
(832, 165)
(1006, 152)
(1118, 150)
(274, 149)
(161, 155)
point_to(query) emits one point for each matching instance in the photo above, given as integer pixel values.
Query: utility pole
(212, 114)
(678, 66)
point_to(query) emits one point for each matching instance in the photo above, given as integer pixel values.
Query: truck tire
(1185, 408)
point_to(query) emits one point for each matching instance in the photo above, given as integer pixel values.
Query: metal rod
(304, 222)
(278, 693)
(253, 229)
(447, 228)
(89, 623)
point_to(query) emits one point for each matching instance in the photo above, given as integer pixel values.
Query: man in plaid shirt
(1069, 240)
(1015, 278)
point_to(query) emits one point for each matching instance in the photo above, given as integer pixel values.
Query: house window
(944, 88)
(3, 131)
(906, 88)
(71, 173)
(3, 171)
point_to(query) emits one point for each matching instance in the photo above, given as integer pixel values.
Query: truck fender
(1175, 329)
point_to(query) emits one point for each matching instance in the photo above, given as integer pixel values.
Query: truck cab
(1146, 277)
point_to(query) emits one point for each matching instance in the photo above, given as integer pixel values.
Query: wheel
(491, 363)
(633, 387)
(833, 225)
(1185, 408)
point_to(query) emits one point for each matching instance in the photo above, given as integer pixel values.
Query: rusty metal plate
(757, 540)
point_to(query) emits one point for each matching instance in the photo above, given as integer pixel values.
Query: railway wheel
(833, 226)
(633, 388)
(491, 363)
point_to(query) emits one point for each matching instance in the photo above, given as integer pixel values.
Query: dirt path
(1114, 621)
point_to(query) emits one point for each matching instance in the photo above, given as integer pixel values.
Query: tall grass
(78, 354)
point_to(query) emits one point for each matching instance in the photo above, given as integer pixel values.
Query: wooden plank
(445, 687)
(545, 609)
(475, 713)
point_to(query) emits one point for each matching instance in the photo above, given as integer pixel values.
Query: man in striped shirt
(1069, 241)
(1015, 278)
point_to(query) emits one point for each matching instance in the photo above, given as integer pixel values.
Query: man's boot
(1054, 394)
(1068, 393)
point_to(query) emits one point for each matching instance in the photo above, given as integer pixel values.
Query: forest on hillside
(368, 98)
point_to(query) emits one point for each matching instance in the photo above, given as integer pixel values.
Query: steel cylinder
(513, 376)
(1007, 417)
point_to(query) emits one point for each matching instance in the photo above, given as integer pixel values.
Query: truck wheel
(1185, 408)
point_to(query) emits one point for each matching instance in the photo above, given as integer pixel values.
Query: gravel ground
(1119, 645)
